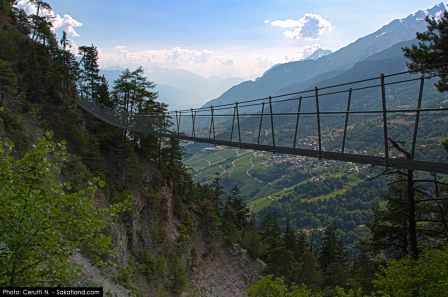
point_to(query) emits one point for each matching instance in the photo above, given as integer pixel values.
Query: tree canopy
(42, 222)
(431, 53)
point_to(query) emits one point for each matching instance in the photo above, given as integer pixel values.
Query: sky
(226, 38)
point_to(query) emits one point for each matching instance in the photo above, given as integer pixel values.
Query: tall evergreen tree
(216, 186)
(70, 67)
(431, 53)
(332, 258)
(104, 98)
(239, 207)
(389, 226)
(8, 80)
(90, 79)
(272, 237)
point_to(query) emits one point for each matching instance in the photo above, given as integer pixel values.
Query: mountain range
(316, 193)
(294, 76)
(181, 88)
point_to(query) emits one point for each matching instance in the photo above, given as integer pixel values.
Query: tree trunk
(413, 249)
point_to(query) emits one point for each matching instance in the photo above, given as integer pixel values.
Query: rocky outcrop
(213, 267)
(228, 271)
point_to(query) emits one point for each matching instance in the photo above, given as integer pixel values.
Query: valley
(104, 183)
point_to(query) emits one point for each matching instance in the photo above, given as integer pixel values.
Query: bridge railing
(362, 121)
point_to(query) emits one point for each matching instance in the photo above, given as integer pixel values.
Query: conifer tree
(90, 78)
(70, 67)
(431, 53)
(8, 80)
(389, 226)
(332, 258)
(216, 186)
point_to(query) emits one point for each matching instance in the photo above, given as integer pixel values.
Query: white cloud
(60, 23)
(309, 27)
(202, 61)
(246, 63)
(68, 24)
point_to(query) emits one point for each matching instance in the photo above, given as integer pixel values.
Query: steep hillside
(166, 244)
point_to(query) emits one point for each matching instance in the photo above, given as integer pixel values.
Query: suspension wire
(259, 101)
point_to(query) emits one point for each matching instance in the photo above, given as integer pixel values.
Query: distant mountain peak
(318, 54)
(422, 14)
(295, 73)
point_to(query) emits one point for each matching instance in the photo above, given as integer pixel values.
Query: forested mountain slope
(163, 241)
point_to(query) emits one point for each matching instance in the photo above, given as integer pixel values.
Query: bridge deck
(362, 122)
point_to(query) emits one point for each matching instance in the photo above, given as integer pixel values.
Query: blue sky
(224, 37)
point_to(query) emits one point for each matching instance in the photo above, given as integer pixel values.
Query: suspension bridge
(397, 120)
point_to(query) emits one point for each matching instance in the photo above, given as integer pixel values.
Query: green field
(235, 166)
(261, 177)
(312, 193)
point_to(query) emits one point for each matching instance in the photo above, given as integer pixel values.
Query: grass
(236, 168)
(260, 203)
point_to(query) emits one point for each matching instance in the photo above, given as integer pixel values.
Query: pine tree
(103, 93)
(310, 275)
(431, 53)
(364, 265)
(293, 253)
(90, 78)
(239, 207)
(332, 258)
(389, 226)
(275, 252)
(70, 68)
(35, 84)
(8, 80)
(216, 186)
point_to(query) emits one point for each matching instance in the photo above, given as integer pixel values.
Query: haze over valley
(223, 148)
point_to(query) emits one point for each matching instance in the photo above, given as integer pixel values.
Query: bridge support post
(193, 119)
(346, 119)
(177, 124)
(261, 122)
(233, 123)
(272, 124)
(297, 122)
(180, 119)
(319, 138)
(417, 116)
(213, 125)
(383, 100)
(238, 123)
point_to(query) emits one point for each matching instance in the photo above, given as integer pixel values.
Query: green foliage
(425, 277)
(332, 258)
(8, 79)
(41, 225)
(11, 127)
(179, 279)
(341, 292)
(123, 278)
(252, 242)
(150, 266)
(90, 79)
(5, 7)
(431, 53)
(270, 286)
